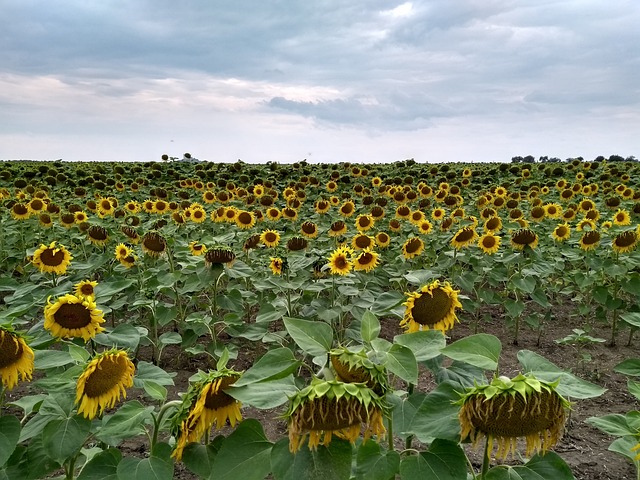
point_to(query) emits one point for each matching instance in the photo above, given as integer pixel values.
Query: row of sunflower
(246, 269)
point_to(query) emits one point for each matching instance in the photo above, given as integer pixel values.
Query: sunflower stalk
(157, 420)
(486, 458)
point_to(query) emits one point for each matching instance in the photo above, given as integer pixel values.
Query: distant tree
(517, 159)
(631, 159)
(529, 159)
(616, 158)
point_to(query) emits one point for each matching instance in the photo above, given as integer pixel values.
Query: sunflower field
(334, 321)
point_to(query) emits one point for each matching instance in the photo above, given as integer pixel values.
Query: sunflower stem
(157, 421)
(486, 458)
(390, 432)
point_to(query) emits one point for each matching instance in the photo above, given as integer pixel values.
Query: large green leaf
(541, 467)
(273, 365)
(375, 463)
(425, 344)
(158, 466)
(106, 289)
(437, 416)
(404, 411)
(624, 446)
(402, 362)
(444, 460)
(104, 466)
(481, 350)
(613, 424)
(630, 366)
(369, 326)
(264, 395)
(124, 336)
(9, 435)
(386, 302)
(314, 338)
(127, 422)
(245, 454)
(62, 439)
(199, 458)
(332, 462)
(570, 386)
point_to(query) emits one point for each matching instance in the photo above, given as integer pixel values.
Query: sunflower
(80, 217)
(395, 225)
(52, 259)
(416, 217)
(103, 382)
(104, 207)
(197, 248)
(507, 409)
(438, 214)
(433, 306)
(67, 220)
(277, 265)
(492, 224)
(245, 220)
(625, 242)
(122, 251)
(489, 243)
(524, 237)
(589, 240)
(98, 235)
(586, 224)
(622, 217)
(154, 244)
(362, 241)
(337, 229)
(382, 239)
(464, 237)
(20, 211)
(160, 207)
(425, 227)
(270, 238)
(131, 234)
(364, 222)
(45, 220)
(219, 255)
(16, 358)
(553, 210)
(330, 407)
(347, 209)
(366, 261)
(322, 206)
(309, 229)
(197, 214)
(356, 367)
(290, 213)
(413, 247)
(85, 289)
(205, 405)
(562, 232)
(72, 316)
(339, 263)
(403, 212)
(296, 244)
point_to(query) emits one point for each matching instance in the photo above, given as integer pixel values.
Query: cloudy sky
(325, 80)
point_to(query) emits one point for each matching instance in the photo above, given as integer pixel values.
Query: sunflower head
(196, 248)
(507, 409)
(85, 289)
(154, 244)
(433, 306)
(413, 247)
(103, 382)
(277, 265)
(524, 237)
(625, 242)
(326, 408)
(205, 405)
(52, 258)
(16, 358)
(356, 367)
(219, 255)
(366, 260)
(339, 261)
(71, 316)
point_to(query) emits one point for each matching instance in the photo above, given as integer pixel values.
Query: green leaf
(514, 307)
(268, 313)
(199, 458)
(569, 387)
(326, 463)
(437, 416)
(632, 318)
(540, 467)
(107, 289)
(314, 338)
(124, 336)
(63, 438)
(480, 350)
(614, 424)
(273, 365)
(104, 466)
(631, 285)
(623, 446)
(265, 395)
(630, 367)
(45, 359)
(634, 388)
(524, 284)
(245, 454)
(375, 463)
(404, 411)
(148, 371)
(170, 338)
(402, 362)
(30, 462)
(386, 302)
(127, 422)
(158, 466)
(444, 460)
(9, 435)
(369, 326)
(425, 344)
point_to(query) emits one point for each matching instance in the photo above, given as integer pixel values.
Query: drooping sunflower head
(524, 237)
(251, 243)
(219, 255)
(103, 382)
(432, 306)
(205, 405)
(16, 358)
(98, 235)
(326, 408)
(337, 228)
(589, 240)
(508, 409)
(85, 289)
(154, 244)
(53, 258)
(356, 367)
(464, 237)
(625, 242)
(71, 317)
(296, 244)
(309, 229)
